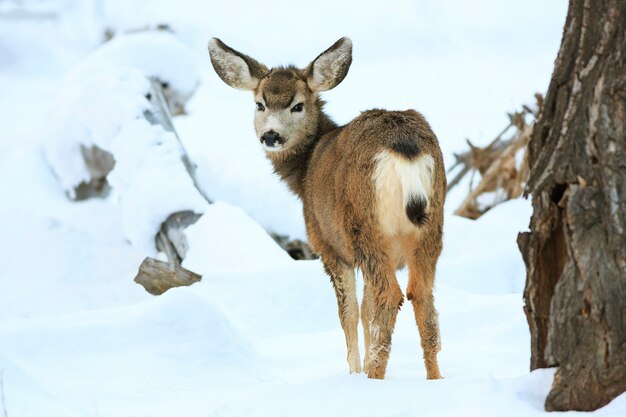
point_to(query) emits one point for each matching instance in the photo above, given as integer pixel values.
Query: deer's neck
(292, 164)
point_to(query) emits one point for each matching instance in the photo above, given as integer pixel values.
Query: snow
(157, 54)
(226, 239)
(489, 199)
(259, 335)
(479, 260)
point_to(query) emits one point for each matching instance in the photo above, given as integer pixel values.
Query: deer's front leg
(343, 280)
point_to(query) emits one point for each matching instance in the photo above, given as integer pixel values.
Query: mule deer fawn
(372, 190)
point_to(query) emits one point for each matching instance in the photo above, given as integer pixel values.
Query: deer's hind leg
(366, 319)
(344, 282)
(382, 299)
(422, 261)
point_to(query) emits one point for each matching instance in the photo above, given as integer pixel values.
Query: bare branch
(501, 169)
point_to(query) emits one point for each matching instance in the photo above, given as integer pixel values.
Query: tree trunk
(575, 252)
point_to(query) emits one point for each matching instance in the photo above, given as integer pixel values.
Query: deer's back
(340, 194)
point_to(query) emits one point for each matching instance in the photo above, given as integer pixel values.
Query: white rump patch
(397, 180)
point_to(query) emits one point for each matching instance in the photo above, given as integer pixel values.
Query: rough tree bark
(575, 252)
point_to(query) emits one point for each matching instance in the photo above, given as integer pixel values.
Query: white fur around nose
(272, 123)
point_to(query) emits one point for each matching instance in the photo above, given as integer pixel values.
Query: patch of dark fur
(416, 210)
(285, 74)
(278, 89)
(406, 147)
(406, 137)
(340, 291)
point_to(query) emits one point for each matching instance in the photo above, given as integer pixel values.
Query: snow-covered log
(111, 133)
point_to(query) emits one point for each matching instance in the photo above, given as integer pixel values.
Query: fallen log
(112, 131)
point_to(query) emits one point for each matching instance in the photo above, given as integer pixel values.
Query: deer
(372, 191)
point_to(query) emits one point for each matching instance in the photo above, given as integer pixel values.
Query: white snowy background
(259, 335)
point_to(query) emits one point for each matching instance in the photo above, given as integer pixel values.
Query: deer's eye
(297, 108)
(260, 107)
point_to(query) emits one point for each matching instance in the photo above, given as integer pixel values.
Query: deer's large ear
(234, 68)
(330, 67)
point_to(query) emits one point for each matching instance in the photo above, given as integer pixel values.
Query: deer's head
(287, 105)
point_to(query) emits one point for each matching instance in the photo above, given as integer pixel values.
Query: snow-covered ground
(259, 335)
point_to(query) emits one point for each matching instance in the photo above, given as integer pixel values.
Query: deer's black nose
(271, 138)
